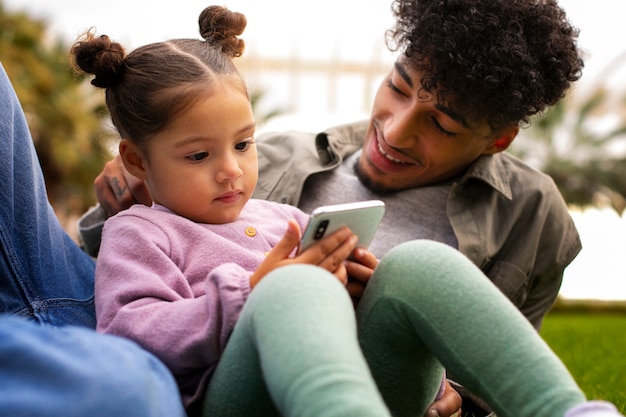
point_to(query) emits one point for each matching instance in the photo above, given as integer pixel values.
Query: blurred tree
(582, 146)
(65, 116)
(256, 97)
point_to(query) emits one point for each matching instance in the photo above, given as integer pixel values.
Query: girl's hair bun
(100, 56)
(220, 28)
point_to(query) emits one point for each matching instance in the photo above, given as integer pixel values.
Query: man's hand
(116, 189)
(360, 270)
(449, 405)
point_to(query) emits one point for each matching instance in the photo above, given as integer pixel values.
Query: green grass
(593, 346)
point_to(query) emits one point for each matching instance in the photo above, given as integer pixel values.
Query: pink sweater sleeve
(142, 294)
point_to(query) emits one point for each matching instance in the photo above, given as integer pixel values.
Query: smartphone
(361, 217)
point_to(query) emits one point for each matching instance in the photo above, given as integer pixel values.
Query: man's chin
(370, 183)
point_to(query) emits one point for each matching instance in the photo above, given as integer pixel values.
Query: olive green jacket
(509, 219)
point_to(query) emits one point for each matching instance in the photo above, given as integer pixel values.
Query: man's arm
(116, 190)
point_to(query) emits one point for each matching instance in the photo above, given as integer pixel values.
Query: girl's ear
(502, 140)
(133, 159)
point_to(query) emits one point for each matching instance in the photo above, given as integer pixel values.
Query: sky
(326, 28)
(274, 27)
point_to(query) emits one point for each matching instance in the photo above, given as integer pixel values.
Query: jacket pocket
(511, 281)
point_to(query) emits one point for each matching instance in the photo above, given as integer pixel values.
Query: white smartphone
(361, 217)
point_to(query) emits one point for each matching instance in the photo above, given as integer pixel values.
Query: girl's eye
(198, 156)
(242, 146)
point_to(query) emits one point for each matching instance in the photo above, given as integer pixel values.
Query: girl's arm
(142, 294)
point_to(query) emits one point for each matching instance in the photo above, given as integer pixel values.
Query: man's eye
(198, 156)
(441, 129)
(393, 88)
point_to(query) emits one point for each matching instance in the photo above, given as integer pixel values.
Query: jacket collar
(338, 142)
(491, 170)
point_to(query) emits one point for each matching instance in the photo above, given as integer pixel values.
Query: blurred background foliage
(66, 117)
(580, 143)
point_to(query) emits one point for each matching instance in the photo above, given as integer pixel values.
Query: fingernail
(433, 413)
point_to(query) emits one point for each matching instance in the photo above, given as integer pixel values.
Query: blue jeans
(73, 371)
(47, 278)
(44, 275)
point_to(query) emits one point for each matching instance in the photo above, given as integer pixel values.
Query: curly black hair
(496, 61)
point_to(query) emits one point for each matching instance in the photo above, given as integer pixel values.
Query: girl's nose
(229, 170)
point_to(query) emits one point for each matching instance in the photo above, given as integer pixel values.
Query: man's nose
(400, 130)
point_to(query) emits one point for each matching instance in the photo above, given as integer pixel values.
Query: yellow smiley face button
(250, 231)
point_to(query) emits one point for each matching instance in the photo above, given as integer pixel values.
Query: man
(470, 73)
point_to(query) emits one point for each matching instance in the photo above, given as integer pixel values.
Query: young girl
(206, 278)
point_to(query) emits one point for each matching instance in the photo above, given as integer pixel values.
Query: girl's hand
(360, 270)
(329, 253)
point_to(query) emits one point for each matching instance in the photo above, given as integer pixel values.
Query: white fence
(311, 87)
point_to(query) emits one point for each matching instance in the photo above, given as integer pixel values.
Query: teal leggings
(295, 349)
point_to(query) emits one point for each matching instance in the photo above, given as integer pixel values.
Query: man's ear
(502, 140)
(133, 158)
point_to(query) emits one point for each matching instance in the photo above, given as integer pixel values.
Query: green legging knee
(426, 300)
(294, 350)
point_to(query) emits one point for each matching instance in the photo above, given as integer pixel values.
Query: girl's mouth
(229, 197)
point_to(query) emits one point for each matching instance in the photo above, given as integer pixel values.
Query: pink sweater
(177, 287)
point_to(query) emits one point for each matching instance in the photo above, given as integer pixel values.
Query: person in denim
(52, 362)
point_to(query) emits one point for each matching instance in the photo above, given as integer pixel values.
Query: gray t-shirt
(418, 213)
